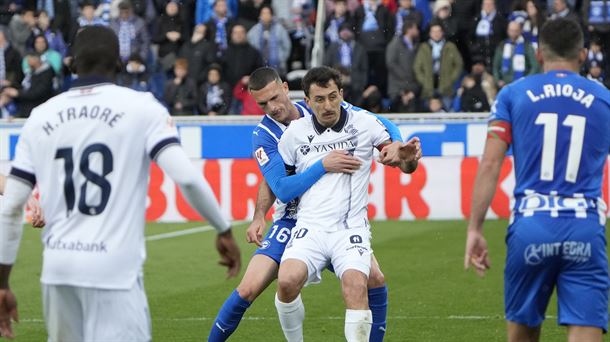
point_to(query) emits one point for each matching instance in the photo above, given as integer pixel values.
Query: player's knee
(376, 279)
(289, 285)
(248, 292)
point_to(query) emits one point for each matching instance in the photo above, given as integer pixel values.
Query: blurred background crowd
(399, 56)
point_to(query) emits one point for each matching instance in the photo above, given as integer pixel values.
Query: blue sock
(228, 318)
(378, 303)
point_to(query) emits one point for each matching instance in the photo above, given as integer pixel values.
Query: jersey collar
(90, 81)
(337, 127)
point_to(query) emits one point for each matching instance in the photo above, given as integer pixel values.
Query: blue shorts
(569, 254)
(276, 239)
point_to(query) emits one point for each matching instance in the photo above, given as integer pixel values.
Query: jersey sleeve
(161, 132)
(23, 165)
(500, 120)
(378, 132)
(392, 129)
(286, 187)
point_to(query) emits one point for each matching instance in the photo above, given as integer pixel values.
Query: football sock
(378, 303)
(228, 318)
(291, 318)
(358, 325)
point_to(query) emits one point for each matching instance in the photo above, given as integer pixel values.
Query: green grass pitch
(431, 297)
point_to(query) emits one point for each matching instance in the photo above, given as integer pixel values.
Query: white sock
(291, 318)
(358, 325)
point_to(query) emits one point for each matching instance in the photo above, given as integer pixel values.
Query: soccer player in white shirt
(332, 225)
(89, 150)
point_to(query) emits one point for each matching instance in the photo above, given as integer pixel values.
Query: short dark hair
(96, 50)
(321, 76)
(561, 39)
(260, 77)
(407, 25)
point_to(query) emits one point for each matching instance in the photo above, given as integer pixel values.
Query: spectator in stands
(407, 101)
(48, 56)
(206, 9)
(169, 34)
(371, 100)
(199, 52)
(350, 55)
(436, 104)
(58, 15)
(219, 26)
(471, 96)
(400, 56)
(374, 30)
(87, 16)
(596, 17)
(214, 94)
(37, 86)
(514, 58)
(241, 58)
(595, 72)
(241, 94)
(8, 8)
(489, 32)
(132, 33)
(54, 37)
(301, 35)
(407, 12)
(561, 9)
(135, 74)
(180, 93)
(533, 22)
(270, 38)
(438, 65)
(597, 58)
(248, 11)
(11, 73)
(443, 15)
(481, 75)
(464, 11)
(337, 17)
(21, 28)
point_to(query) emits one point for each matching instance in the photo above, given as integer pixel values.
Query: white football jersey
(89, 150)
(337, 201)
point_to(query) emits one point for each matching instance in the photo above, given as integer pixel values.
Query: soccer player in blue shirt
(558, 124)
(272, 96)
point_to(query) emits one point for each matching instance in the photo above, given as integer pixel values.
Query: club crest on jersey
(261, 156)
(350, 130)
(266, 244)
(304, 149)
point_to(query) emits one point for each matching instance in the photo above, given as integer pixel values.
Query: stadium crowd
(195, 56)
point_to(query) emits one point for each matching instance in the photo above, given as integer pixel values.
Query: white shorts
(348, 249)
(79, 314)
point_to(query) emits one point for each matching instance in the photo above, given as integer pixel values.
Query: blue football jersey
(265, 138)
(560, 125)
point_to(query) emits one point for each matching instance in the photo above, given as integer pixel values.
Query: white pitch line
(189, 231)
(329, 318)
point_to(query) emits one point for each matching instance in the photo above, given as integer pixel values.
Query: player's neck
(107, 75)
(293, 114)
(561, 65)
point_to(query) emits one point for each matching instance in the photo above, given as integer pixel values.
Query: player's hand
(398, 152)
(36, 212)
(476, 252)
(340, 161)
(8, 313)
(230, 255)
(255, 231)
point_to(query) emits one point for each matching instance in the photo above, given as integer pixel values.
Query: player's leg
(63, 314)
(117, 315)
(532, 265)
(261, 271)
(352, 261)
(302, 262)
(522, 333)
(290, 309)
(582, 285)
(585, 334)
(378, 301)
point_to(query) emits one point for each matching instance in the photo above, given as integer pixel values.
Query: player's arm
(2, 182)
(174, 161)
(485, 183)
(392, 129)
(11, 212)
(264, 202)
